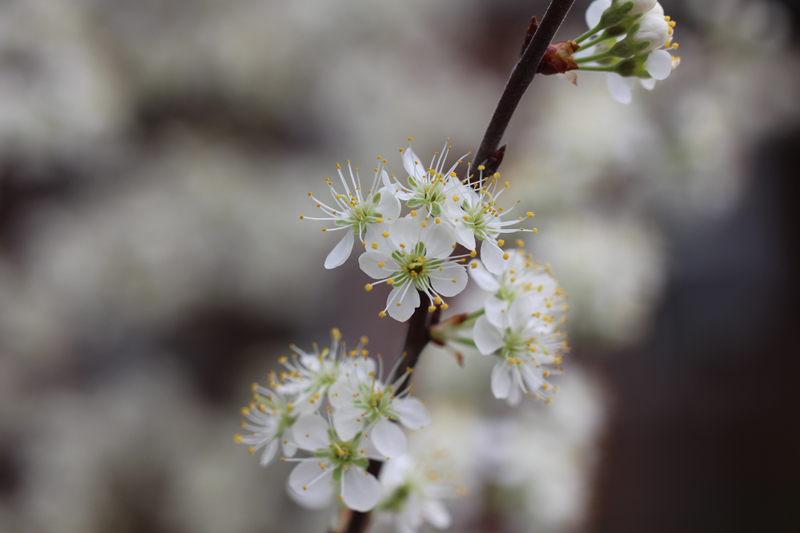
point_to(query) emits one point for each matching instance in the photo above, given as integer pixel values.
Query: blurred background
(155, 156)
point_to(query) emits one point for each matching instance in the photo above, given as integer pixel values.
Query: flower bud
(639, 7)
(651, 29)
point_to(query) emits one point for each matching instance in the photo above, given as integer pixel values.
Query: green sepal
(436, 210)
(340, 222)
(361, 463)
(412, 182)
(320, 454)
(376, 199)
(337, 474)
(414, 202)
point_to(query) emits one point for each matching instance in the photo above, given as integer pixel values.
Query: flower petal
(436, 514)
(465, 236)
(488, 338)
(439, 241)
(347, 421)
(496, 311)
(521, 310)
(269, 452)
(370, 263)
(450, 280)
(388, 438)
(389, 206)
(502, 381)
(288, 446)
(360, 489)
(341, 251)
(311, 432)
(620, 88)
(595, 11)
(412, 164)
(413, 413)
(484, 278)
(304, 481)
(659, 64)
(492, 257)
(401, 308)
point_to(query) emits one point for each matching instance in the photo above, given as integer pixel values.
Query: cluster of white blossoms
(630, 40)
(412, 250)
(334, 405)
(339, 408)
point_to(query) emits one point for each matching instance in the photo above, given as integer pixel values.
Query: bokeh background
(155, 157)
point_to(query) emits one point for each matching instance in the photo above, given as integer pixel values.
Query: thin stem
(589, 33)
(595, 57)
(521, 77)
(610, 68)
(592, 43)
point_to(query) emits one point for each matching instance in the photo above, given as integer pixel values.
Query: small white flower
(414, 490)
(428, 189)
(356, 211)
(528, 342)
(363, 403)
(520, 275)
(270, 417)
(338, 467)
(654, 29)
(482, 219)
(310, 375)
(414, 255)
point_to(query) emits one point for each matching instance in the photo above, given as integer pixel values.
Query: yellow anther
(530, 214)
(481, 167)
(424, 224)
(380, 265)
(506, 185)
(381, 314)
(520, 244)
(437, 301)
(474, 264)
(505, 255)
(374, 245)
(282, 359)
(473, 253)
(501, 242)
(413, 213)
(302, 217)
(432, 308)
(390, 281)
(438, 220)
(445, 306)
(455, 198)
(385, 233)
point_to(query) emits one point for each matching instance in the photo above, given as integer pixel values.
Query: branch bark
(519, 81)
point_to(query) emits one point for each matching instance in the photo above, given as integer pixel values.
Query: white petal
(595, 11)
(305, 474)
(340, 393)
(413, 413)
(436, 514)
(496, 311)
(388, 438)
(370, 263)
(311, 432)
(408, 302)
(658, 64)
(450, 280)
(620, 88)
(287, 443)
(514, 394)
(360, 490)
(341, 251)
(389, 206)
(484, 278)
(269, 452)
(488, 338)
(347, 421)
(387, 183)
(465, 235)
(406, 230)
(492, 257)
(648, 83)
(502, 381)
(413, 165)
(520, 311)
(439, 241)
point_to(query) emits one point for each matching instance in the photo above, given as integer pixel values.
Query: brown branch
(521, 77)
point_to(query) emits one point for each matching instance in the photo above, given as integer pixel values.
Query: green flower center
(360, 214)
(429, 195)
(414, 266)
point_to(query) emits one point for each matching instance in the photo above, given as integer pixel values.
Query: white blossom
(270, 417)
(528, 343)
(414, 255)
(338, 467)
(482, 219)
(413, 491)
(356, 211)
(364, 403)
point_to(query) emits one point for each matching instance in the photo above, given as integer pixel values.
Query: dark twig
(521, 77)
